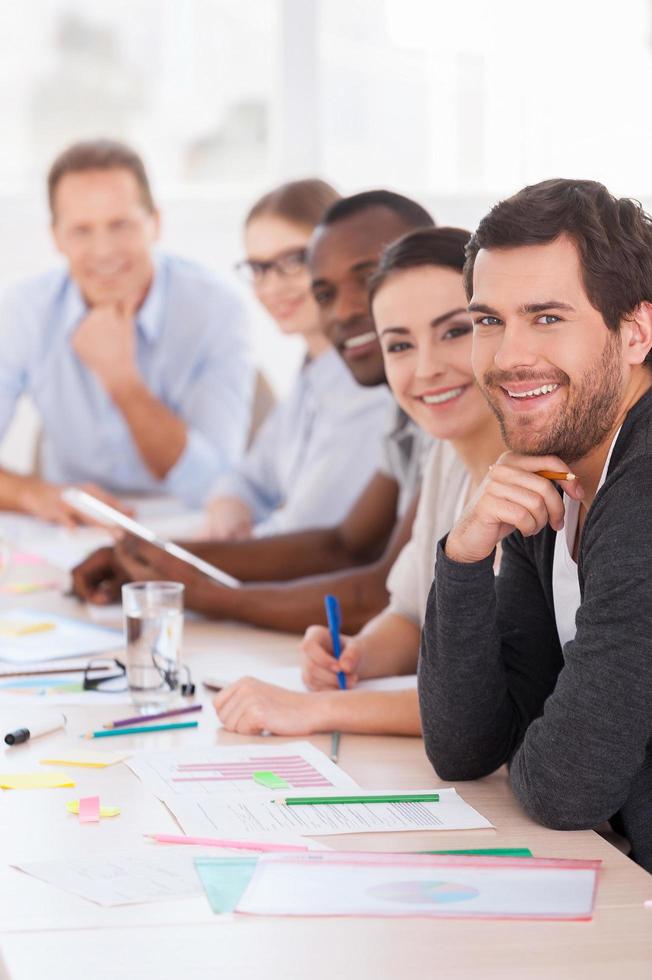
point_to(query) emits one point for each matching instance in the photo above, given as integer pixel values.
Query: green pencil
(393, 798)
(110, 732)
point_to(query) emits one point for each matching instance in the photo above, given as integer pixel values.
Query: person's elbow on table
(557, 799)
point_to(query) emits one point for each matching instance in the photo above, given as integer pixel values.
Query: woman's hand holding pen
(513, 495)
(319, 668)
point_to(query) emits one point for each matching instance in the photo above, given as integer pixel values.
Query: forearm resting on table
(278, 558)
(16, 491)
(283, 557)
(367, 712)
(294, 606)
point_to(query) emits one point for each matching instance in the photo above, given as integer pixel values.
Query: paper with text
(253, 817)
(122, 879)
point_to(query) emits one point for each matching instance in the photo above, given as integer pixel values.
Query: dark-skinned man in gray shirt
(548, 666)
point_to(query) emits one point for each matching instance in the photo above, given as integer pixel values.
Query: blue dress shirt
(192, 353)
(315, 452)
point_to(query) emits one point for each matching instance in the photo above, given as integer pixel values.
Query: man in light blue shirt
(138, 365)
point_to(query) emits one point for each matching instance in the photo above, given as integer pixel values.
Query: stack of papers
(212, 793)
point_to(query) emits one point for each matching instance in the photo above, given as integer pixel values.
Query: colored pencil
(554, 475)
(141, 729)
(335, 747)
(159, 714)
(392, 798)
(245, 845)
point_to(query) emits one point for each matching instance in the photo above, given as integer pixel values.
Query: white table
(47, 933)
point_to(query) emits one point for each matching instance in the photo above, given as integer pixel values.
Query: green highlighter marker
(520, 852)
(392, 798)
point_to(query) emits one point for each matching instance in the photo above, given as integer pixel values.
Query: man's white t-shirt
(565, 582)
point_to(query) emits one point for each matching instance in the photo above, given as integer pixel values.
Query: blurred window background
(454, 104)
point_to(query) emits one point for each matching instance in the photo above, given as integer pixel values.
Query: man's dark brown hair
(99, 155)
(613, 237)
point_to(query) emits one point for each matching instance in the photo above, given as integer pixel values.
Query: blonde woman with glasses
(318, 448)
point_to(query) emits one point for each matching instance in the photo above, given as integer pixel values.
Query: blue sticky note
(225, 880)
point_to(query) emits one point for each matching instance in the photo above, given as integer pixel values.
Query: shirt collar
(149, 318)
(322, 373)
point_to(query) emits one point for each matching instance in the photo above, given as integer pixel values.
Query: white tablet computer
(87, 504)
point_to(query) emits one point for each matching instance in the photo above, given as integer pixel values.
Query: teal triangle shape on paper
(225, 880)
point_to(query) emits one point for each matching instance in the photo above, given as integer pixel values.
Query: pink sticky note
(23, 558)
(89, 809)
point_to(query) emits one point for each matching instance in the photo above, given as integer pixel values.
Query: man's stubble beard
(582, 423)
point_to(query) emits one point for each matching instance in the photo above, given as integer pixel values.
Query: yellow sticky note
(17, 628)
(94, 760)
(105, 811)
(22, 588)
(35, 780)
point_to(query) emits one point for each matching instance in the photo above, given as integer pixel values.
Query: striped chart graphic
(295, 770)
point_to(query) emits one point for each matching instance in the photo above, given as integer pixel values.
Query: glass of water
(153, 613)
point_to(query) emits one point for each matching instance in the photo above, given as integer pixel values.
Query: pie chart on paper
(423, 892)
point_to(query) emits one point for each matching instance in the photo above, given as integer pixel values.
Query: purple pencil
(160, 714)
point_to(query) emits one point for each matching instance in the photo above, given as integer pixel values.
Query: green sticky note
(270, 780)
(514, 852)
(225, 880)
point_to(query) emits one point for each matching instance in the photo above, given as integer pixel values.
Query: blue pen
(334, 617)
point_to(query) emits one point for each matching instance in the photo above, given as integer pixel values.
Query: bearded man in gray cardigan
(548, 666)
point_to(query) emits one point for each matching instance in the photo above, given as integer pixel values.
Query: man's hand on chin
(105, 341)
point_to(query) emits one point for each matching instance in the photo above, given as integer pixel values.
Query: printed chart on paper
(229, 771)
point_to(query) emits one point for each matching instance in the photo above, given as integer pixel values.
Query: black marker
(35, 730)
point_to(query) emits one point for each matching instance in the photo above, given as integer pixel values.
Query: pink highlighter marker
(244, 845)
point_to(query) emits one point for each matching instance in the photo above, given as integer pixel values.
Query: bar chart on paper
(233, 770)
(293, 770)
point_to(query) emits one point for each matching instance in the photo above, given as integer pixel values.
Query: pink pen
(245, 845)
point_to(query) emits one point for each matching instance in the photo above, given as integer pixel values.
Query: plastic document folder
(400, 885)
